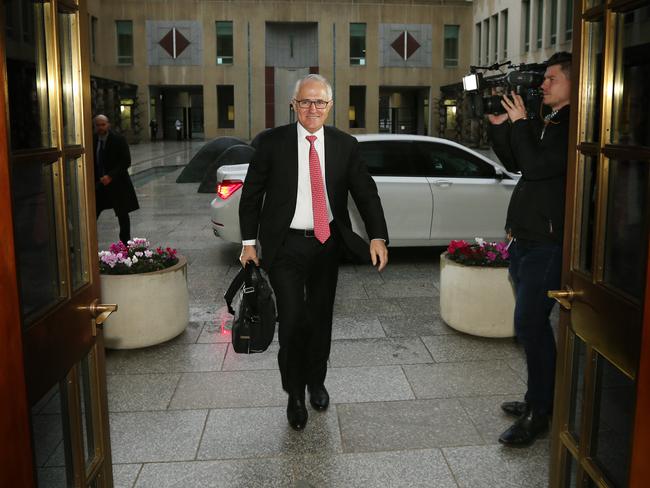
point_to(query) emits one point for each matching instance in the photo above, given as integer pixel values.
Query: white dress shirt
(303, 217)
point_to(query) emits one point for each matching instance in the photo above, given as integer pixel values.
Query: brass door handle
(100, 311)
(564, 297)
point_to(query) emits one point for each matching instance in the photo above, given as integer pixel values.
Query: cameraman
(538, 147)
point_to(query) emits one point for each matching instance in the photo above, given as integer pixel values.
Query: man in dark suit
(295, 198)
(113, 186)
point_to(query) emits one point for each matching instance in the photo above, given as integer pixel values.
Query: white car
(433, 190)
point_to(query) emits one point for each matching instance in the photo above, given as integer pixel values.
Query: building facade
(228, 68)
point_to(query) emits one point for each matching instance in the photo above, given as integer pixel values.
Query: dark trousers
(535, 268)
(304, 275)
(124, 221)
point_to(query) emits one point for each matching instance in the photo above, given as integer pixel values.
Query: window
(224, 42)
(124, 30)
(358, 44)
(441, 160)
(451, 46)
(226, 106)
(357, 109)
(486, 40)
(494, 42)
(568, 20)
(525, 9)
(553, 22)
(540, 23)
(387, 158)
(478, 43)
(504, 30)
(93, 39)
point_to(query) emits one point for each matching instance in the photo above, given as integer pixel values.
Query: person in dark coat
(295, 200)
(539, 148)
(113, 186)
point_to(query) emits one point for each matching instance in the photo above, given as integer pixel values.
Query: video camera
(523, 79)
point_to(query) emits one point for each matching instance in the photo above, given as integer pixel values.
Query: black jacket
(536, 210)
(119, 194)
(268, 200)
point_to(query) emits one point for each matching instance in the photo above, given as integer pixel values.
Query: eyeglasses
(319, 104)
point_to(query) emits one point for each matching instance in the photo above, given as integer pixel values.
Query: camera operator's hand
(497, 119)
(514, 106)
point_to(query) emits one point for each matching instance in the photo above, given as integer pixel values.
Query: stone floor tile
(378, 352)
(423, 468)
(189, 335)
(133, 392)
(402, 288)
(487, 416)
(349, 289)
(496, 465)
(420, 306)
(51, 477)
(415, 424)
(174, 358)
(156, 436)
(415, 326)
(475, 378)
(518, 365)
(229, 389)
(263, 360)
(247, 473)
(463, 347)
(347, 307)
(356, 328)
(124, 475)
(260, 432)
(367, 384)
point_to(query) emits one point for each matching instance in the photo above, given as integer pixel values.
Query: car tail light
(226, 188)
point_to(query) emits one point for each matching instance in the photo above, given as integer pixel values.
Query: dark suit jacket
(268, 200)
(119, 194)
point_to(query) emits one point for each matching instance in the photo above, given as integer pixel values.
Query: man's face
(101, 127)
(556, 87)
(312, 118)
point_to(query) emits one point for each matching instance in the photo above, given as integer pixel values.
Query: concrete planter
(476, 300)
(153, 307)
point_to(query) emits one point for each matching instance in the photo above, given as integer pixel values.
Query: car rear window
(388, 158)
(436, 159)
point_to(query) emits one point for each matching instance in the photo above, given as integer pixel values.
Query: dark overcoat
(119, 194)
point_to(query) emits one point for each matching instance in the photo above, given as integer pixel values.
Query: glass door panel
(67, 24)
(594, 77)
(76, 221)
(589, 168)
(577, 387)
(630, 117)
(27, 76)
(625, 239)
(36, 236)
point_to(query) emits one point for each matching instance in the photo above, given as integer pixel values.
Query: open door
(606, 250)
(47, 106)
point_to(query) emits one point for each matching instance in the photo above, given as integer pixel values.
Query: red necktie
(318, 202)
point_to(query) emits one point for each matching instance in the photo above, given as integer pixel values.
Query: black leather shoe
(525, 430)
(516, 409)
(297, 412)
(318, 397)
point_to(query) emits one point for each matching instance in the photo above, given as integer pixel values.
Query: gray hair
(101, 117)
(313, 77)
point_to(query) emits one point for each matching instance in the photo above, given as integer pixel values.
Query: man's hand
(497, 119)
(378, 253)
(249, 253)
(106, 180)
(514, 106)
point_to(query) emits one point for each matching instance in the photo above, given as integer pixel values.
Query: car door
(405, 197)
(469, 198)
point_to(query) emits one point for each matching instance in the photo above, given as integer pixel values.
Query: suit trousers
(304, 274)
(535, 268)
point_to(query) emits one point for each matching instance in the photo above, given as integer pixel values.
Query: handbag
(250, 299)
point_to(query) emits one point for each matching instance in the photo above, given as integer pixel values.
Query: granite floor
(413, 403)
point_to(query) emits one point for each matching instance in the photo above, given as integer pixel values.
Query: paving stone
(487, 416)
(401, 289)
(496, 465)
(156, 436)
(367, 384)
(416, 424)
(124, 475)
(356, 328)
(415, 326)
(189, 335)
(264, 360)
(260, 432)
(378, 352)
(133, 392)
(346, 307)
(167, 358)
(463, 347)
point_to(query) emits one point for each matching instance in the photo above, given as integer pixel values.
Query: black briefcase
(250, 299)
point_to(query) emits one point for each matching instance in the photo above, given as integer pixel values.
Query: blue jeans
(535, 268)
